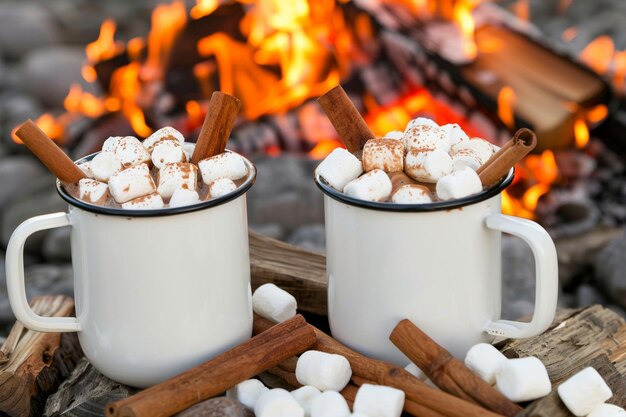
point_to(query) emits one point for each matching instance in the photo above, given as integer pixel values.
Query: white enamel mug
(157, 291)
(438, 265)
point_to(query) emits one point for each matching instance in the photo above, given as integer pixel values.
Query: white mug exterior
(440, 269)
(154, 296)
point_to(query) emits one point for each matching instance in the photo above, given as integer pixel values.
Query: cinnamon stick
(447, 372)
(244, 361)
(49, 153)
(346, 119)
(218, 123)
(387, 374)
(511, 153)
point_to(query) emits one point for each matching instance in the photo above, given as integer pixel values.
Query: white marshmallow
(177, 175)
(273, 303)
(416, 372)
(110, 144)
(277, 403)
(104, 165)
(163, 133)
(359, 414)
(131, 183)
(459, 184)
(481, 147)
(225, 165)
(339, 168)
(607, 410)
(188, 148)
(147, 202)
(247, 392)
(485, 360)
(523, 379)
(422, 121)
(379, 401)
(584, 391)
(394, 134)
(424, 137)
(183, 197)
(454, 133)
(373, 186)
(411, 194)
(167, 151)
(428, 165)
(130, 152)
(305, 396)
(330, 404)
(221, 187)
(385, 154)
(465, 158)
(324, 371)
(93, 191)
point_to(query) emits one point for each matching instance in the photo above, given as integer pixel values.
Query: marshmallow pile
(525, 379)
(428, 153)
(156, 173)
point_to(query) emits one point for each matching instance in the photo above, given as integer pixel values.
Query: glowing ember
(323, 148)
(581, 133)
(522, 9)
(569, 34)
(506, 107)
(597, 114)
(599, 54)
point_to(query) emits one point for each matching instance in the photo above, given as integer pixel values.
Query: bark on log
(217, 407)
(39, 362)
(300, 272)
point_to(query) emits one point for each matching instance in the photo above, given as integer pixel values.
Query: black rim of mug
(409, 208)
(114, 211)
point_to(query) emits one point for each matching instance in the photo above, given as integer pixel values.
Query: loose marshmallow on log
(330, 404)
(130, 152)
(339, 168)
(523, 379)
(273, 303)
(183, 197)
(324, 371)
(247, 392)
(163, 133)
(176, 175)
(379, 401)
(459, 184)
(427, 165)
(277, 403)
(147, 202)
(584, 391)
(305, 396)
(104, 165)
(411, 194)
(385, 154)
(131, 183)
(167, 151)
(485, 360)
(607, 410)
(481, 147)
(454, 133)
(93, 191)
(225, 165)
(221, 187)
(423, 137)
(373, 186)
(466, 158)
(414, 370)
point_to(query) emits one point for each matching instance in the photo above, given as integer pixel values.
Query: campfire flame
(51, 126)
(506, 107)
(463, 18)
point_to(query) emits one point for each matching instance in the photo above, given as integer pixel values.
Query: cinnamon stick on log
(218, 123)
(387, 374)
(244, 361)
(346, 119)
(49, 153)
(447, 372)
(511, 153)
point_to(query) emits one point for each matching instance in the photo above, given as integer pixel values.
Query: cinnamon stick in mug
(49, 153)
(447, 372)
(218, 124)
(244, 361)
(511, 153)
(346, 119)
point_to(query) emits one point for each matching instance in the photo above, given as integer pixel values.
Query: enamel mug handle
(546, 275)
(15, 276)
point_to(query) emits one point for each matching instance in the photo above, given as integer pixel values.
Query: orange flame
(465, 20)
(522, 9)
(195, 115)
(569, 34)
(80, 101)
(167, 22)
(105, 46)
(125, 88)
(323, 148)
(597, 114)
(50, 125)
(203, 8)
(599, 54)
(620, 70)
(581, 133)
(506, 105)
